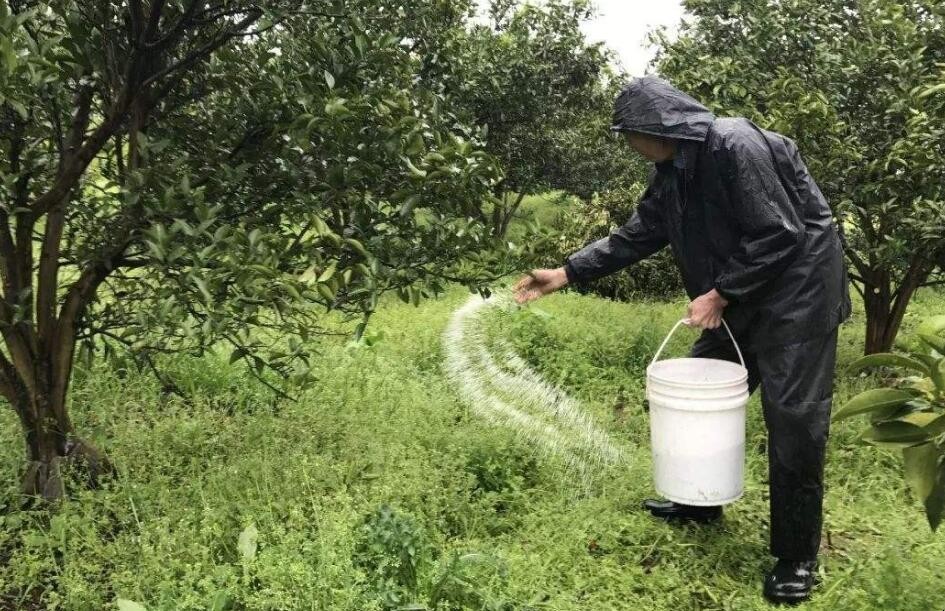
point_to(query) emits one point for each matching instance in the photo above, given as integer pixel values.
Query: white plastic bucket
(697, 426)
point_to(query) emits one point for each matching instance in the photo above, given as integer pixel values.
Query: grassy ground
(380, 485)
(545, 209)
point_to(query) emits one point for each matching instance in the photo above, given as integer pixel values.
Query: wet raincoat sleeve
(638, 238)
(773, 235)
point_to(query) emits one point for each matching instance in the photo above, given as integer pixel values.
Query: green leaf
(20, 109)
(408, 205)
(936, 426)
(8, 53)
(330, 79)
(357, 246)
(237, 354)
(254, 237)
(888, 360)
(321, 227)
(203, 289)
(935, 503)
(221, 233)
(932, 326)
(248, 543)
(414, 170)
(873, 400)
(888, 413)
(932, 91)
(921, 468)
(936, 342)
(130, 605)
(938, 375)
(925, 474)
(328, 273)
(896, 432)
(325, 291)
(922, 419)
(336, 107)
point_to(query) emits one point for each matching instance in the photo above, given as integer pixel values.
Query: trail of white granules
(503, 390)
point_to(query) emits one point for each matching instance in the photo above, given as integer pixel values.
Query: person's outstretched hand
(705, 312)
(538, 283)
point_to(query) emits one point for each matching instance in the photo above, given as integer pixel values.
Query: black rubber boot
(669, 510)
(790, 581)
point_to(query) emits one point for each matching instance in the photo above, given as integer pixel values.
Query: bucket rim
(741, 378)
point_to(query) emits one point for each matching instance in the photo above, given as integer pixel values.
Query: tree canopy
(188, 171)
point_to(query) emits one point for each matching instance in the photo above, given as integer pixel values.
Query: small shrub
(394, 551)
(502, 467)
(457, 584)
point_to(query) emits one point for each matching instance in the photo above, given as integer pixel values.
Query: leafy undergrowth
(379, 489)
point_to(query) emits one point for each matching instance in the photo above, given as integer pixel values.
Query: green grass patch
(380, 489)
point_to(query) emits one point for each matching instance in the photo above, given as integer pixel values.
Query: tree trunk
(46, 440)
(52, 449)
(876, 303)
(35, 383)
(886, 308)
(502, 215)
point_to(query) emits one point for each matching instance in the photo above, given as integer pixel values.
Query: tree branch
(136, 16)
(63, 338)
(80, 122)
(176, 31)
(154, 20)
(250, 365)
(858, 263)
(206, 49)
(72, 171)
(8, 381)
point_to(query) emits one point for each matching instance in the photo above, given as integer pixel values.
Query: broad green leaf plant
(910, 414)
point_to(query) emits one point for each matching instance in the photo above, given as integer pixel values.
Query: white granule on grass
(503, 390)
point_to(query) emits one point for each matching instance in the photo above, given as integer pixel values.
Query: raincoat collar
(685, 159)
(683, 162)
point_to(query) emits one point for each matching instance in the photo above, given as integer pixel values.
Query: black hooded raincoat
(742, 215)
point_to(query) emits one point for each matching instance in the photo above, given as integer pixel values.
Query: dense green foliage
(383, 428)
(860, 85)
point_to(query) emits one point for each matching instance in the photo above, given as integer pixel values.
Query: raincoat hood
(650, 105)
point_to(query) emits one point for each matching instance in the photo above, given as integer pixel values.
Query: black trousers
(796, 392)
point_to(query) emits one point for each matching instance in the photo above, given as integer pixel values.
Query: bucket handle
(686, 321)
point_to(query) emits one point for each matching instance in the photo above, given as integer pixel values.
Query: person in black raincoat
(755, 241)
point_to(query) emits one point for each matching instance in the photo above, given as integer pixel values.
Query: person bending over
(755, 242)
